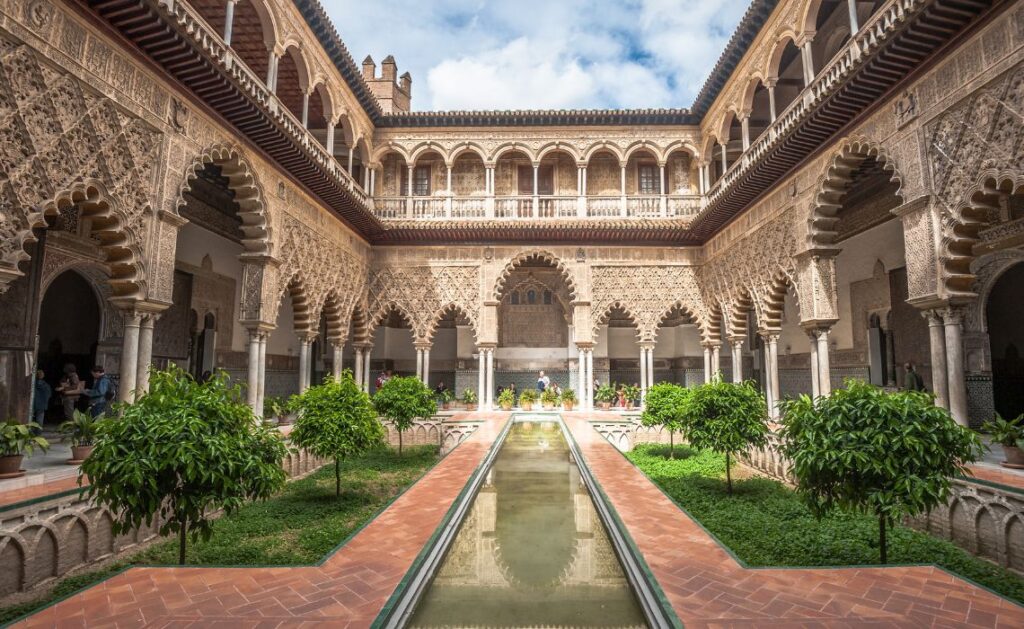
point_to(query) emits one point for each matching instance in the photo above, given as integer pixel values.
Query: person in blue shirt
(99, 394)
(41, 398)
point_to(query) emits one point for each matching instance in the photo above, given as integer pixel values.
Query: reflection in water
(532, 550)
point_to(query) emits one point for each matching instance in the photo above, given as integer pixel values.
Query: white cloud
(504, 54)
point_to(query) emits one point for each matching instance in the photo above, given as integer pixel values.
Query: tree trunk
(882, 550)
(337, 477)
(728, 473)
(182, 533)
(671, 444)
(399, 443)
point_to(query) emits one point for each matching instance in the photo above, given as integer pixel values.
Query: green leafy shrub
(727, 418)
(20, 439)
(80, 430)
(402, 400)
(548, 397)
(336, 421)
(665, 408)
(469, 397)
(527, 397)
(862, 449)
(182, 451)
(506, 399)
(604, 394)
(568, 395)
(1005, 432)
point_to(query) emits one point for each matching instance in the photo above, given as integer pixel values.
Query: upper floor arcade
(795, 73)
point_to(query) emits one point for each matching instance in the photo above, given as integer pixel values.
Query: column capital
(584, 346)
(363, 346)
(307, 336)
(933, 316)
(647, 345)
(952, 315)
(769, 335)
(422, 345)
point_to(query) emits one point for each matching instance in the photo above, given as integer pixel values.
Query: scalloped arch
(834, 182)
(252, 207)
(547, 256)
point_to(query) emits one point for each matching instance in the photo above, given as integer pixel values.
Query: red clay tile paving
(992, 475)
(708, 588)
(13, 496)
(348, 590)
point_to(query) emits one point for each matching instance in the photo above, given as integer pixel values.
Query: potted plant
(548, 399)
(568, 399)
(446, 398)
(632, 394)
(469, 399)
(1008, 433)
(604, 396)
(527, 398)
(273, 408)
(17, 440)
(80, 430)
(506, 399)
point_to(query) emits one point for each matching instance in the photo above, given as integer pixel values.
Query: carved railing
(428, 207)
(683, 205)
(873, 34)
(604, 207)
(469, 207)
(557, 207)
(391, 207)
(540, 207)
(644, 206)
(192, 25)
(513, 207)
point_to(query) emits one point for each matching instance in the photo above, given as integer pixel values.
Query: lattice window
(648, 179)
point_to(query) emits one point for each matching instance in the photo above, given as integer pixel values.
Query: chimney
(405, 84)
(369, 69)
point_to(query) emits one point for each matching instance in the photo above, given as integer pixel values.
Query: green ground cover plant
(765, 523)
(298, 526)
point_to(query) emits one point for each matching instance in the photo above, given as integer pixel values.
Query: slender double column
(423, 362)
(129, 356)
(145, 355)
(256, 373)
(771, 370)
(487, 358)
(646, 369)
(305, 360)
(821, 377)
(707, 363)
(956, 385)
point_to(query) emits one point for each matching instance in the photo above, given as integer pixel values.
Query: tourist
(383, 378)
(70, 389)
(440, 388)
(41, 398)
(101, 392)
(912, 381)
(543, 382)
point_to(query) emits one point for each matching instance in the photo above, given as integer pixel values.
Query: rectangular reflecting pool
(532, 550)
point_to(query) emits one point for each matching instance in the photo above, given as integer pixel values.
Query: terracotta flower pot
(548, 406)
(79, 454)
(605, 406)
(445, 406)
(284, 420)
(527, 406)
(506, 407)
(1014, 457)
(567, 406)
(10, 466)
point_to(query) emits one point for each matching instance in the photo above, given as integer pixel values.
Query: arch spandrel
(423, 292)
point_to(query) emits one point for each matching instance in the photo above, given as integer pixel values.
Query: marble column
(773, 360)
(707, 364)
(304, 361)
(145, 358)
(650, 367)
(338, 348)
(481, 389)
(129, 356)
(426, 367)
(590, 378)
(937, 341)
(716, 359)
(359, 368)
(643, 372)
(581, 377)
(813, 336)
(419, 364)
(490, 378)
(737, 360)
(261, 381)
(366, 368)
(253, 371)
(229, 19)
(953, 318)
(824, 372)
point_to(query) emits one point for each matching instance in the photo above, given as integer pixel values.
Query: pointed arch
(249, 194)
(386, 309)
(680, 306)
(773, 301)
(303, 313)
(333, 314)
(359, 324)
(834, 183)
(741, 304)
(547, 256)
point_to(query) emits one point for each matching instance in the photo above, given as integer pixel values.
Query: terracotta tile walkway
(348, 590)
(707, 587)
(37, 491)
(992, 475)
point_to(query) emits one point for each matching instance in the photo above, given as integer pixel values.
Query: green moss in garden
(299, 526)
(766, 524)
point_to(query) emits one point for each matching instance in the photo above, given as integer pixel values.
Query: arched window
(531, 297)
(515, 298)
(547, 298)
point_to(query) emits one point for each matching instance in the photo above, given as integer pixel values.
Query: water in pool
(532, 551)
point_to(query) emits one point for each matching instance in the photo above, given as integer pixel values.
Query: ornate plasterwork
(975, 150)
(62, 144)
(567, 273)
(988, 269)
(648, 294)
(423, 294)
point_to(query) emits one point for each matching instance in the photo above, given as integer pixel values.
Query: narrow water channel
(532, 551)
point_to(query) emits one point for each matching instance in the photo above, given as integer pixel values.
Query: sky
(542, 54)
